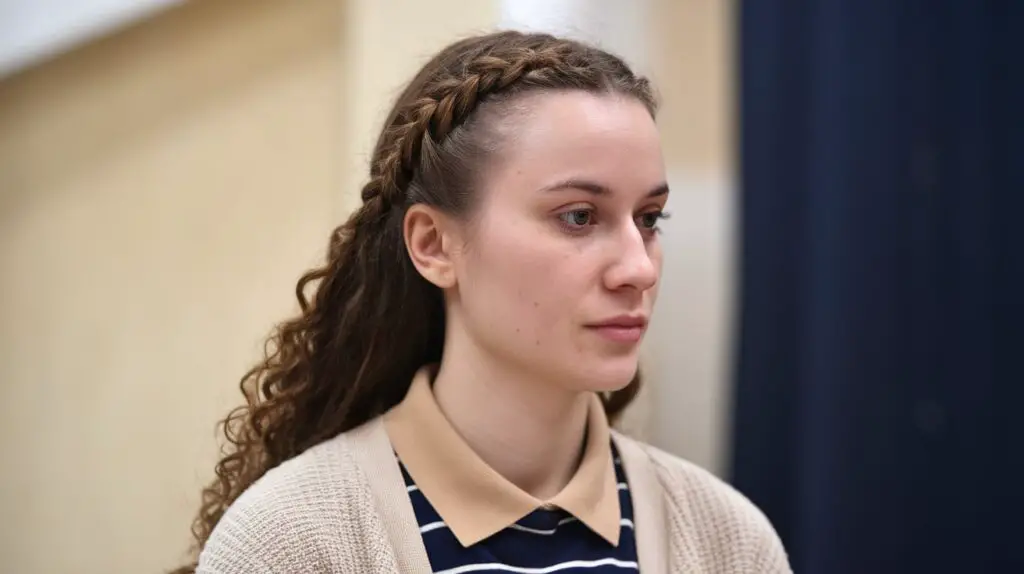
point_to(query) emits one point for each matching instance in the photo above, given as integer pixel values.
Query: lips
(621, 329)
(624, 321)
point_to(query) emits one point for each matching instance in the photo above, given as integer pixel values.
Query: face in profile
(559, 265)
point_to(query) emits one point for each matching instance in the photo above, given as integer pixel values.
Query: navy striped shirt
(541, 542)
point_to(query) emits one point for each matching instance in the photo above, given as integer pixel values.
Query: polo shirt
(472, 519)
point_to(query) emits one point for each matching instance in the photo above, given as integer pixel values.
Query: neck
(528, 430)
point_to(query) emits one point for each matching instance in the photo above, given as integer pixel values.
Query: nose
(633, 267)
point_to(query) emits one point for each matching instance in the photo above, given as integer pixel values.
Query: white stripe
(623, 486)
(544, 532)
(532, 530)
(411, 488)
(544, 570)
(432, 526)
(627, 523)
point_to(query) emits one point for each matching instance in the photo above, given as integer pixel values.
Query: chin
(606, 375)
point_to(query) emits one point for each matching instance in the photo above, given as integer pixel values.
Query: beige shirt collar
(471, 497)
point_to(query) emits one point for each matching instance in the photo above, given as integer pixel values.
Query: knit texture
(319, 512)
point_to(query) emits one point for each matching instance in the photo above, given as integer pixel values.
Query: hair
(368, 320)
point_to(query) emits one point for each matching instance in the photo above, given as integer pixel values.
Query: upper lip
(623, 322)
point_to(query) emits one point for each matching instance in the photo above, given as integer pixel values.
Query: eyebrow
(597, 188)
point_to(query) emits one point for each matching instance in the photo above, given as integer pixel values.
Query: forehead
(607, 138)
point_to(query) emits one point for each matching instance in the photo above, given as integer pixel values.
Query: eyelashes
(577, 218)
(650, 219)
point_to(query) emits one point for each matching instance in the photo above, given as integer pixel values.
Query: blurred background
(841, 307)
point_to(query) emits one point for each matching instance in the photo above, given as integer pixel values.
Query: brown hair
(370, 321)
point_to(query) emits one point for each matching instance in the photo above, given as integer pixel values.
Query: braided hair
(368, 321)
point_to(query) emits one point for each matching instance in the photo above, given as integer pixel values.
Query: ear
(429, 242)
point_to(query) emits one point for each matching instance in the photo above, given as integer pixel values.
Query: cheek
(656, 258)
(519, 282)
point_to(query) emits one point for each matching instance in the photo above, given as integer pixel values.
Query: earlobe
(424, 229)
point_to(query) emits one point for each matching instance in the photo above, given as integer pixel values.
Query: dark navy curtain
(879, 383)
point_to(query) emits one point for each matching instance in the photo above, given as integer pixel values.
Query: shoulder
(310, 513)
(717, 521)
(697, 488)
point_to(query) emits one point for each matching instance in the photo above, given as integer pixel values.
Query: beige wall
(160, 190)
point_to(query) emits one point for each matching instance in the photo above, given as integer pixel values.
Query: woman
(442, 403)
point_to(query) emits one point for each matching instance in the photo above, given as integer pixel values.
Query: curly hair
(368, 321)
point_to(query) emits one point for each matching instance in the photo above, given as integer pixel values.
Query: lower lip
(620, 334)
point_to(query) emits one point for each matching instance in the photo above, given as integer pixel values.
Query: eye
(649, 221)
(577, 218)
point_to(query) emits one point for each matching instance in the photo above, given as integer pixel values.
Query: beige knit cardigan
(342, 507)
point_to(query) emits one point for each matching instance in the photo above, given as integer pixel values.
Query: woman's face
(561, 261)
